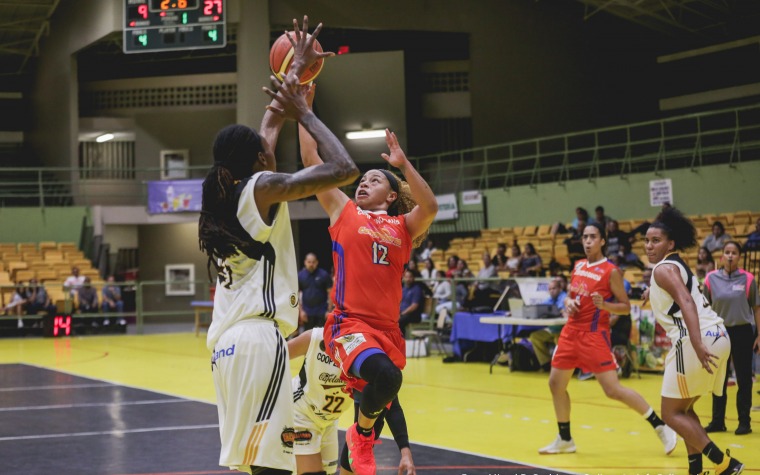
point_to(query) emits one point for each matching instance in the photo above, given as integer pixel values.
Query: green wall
(62, 224)
(709, 190)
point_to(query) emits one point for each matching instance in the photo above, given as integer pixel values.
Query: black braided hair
(677, 227)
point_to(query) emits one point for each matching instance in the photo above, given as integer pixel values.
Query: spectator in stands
(453, 265)
(716, 240)
(17, 304)
(614, 237)
(579, 222)
(314, 283)
(485, 292)
(753, 239)
(628, 258)
(513, 263)
(531, 263)
(442, 296)
(427, 250)
(73, 282)
(429, 272)
(88, 297)
(600, 217)
(38, 299)
(705, 263)
(544, 339)
(461, 291)
(574, 243)
(412, 266)
(412, 302)
(500, 259)
(112, 301)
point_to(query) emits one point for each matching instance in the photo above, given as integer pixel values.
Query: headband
(391, 179)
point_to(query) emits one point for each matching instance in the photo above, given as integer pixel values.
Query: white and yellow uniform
(319, 401)
(685, 377)
(255, 306)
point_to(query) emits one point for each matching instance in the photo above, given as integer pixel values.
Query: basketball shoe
(668, 438)
(559, 446)
(729, 466)
(360, 454)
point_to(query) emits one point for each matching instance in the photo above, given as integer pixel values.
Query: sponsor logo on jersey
(293, 300)
(324, 358)
(387, 219)
(288, 436)
(590, 275)
(350, 342)
(382, 235)
(223, 353)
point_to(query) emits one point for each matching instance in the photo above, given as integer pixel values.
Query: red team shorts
(589, 351)
(347, 337)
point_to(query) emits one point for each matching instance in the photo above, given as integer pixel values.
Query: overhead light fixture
(104, 138)
(365, 134)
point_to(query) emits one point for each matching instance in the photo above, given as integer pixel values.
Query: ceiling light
(365, 134)
(104, 138)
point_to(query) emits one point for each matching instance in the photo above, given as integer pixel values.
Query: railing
(727, 136)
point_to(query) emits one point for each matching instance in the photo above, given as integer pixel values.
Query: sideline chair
(433, 333)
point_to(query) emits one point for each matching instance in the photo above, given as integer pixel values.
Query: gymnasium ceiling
(25, 23)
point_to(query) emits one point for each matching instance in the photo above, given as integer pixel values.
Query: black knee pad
(379, 371)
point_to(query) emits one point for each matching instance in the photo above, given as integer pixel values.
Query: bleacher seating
(738, 224)
(49, 262)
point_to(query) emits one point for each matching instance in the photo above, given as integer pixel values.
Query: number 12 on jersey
(380, 254)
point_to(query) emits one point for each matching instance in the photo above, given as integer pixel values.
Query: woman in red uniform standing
(596, 290)
(372, 236)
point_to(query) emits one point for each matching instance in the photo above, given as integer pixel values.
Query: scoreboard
(170, 25)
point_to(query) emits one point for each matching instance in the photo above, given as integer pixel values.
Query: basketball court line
(150, 441)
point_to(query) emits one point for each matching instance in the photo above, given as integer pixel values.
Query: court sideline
(459, 407)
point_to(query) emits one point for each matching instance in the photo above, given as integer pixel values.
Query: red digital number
(62, 323)
(208, 7)
(142, 10)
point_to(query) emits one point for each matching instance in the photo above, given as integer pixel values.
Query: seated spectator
(513, 263)
(412, 266)
(17, 304)
(484, 293)
(111, 294)
(461, 290)
(614, 237)
(429, 272)
(600, 217)
(716, 240)
(705, 263)
(500, 259)
(579, 222)
(427, 250)
(628, 258)
(753, 239)
(574, 244)
(544, 339)
(531, 264)
(452, 263)
(88, 297)
(412, 302)
(38, 299)
(73, 282)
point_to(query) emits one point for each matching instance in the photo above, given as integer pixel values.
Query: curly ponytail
(404, 203)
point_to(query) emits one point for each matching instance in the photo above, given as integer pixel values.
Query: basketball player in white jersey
(697, 363)
(320, 400)
(245, 230)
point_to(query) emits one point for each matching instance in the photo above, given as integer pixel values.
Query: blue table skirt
(467, 330)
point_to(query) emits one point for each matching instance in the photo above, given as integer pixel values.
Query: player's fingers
(316, 31)
(290, 38)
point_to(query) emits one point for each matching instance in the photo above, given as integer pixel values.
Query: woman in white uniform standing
(245, 230)
(697, 363)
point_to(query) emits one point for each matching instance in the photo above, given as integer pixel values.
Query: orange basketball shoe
(360, 451)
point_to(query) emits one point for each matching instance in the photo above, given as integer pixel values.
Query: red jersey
(369, 254)
(585, 280)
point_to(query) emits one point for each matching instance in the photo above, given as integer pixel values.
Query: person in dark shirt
(753, 238)
(315, 284)
(412, 302)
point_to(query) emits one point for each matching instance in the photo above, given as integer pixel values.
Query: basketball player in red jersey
(373, 236)
(596, 290)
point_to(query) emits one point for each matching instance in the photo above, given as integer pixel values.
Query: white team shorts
(685, 378)
(313, 438)
(251, 374)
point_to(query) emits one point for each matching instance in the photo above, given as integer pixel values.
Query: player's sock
(695, 464)
(362, 431)
(653, 418)
(712, 452)
(564, 430)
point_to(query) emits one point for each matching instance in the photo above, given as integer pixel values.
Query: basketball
(281, 56)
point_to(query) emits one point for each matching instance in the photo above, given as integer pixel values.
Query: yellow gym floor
(457, 406)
